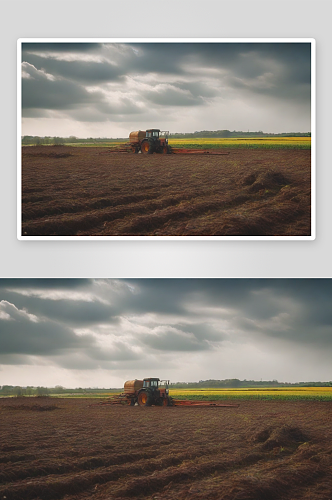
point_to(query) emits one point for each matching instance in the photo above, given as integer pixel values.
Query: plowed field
(65, 449)
(77, 191)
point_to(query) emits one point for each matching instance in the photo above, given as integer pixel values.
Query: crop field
(278, 393)
(88, 191)
(247, 143)
(74, 449)
(210, 143)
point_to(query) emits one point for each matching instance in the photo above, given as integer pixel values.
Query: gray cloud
(122, 324)
(61, 47)
(169, 95)
(87, 72)
(176, 340)
(40, 90)
(123, 82)
(25, 333)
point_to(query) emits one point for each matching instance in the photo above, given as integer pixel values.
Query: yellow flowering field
(252, 143)
(324, 393)
(208, 143)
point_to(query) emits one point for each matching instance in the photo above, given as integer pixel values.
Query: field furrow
(86, 193)
(71, 450)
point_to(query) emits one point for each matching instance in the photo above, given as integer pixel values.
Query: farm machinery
(150, 141)
(154, 392)
(146, 392)
(156, 141)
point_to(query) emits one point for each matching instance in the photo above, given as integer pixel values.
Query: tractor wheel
(131, 402)
(166, 150)
(147, 147)
(136, 150)
(144, 399)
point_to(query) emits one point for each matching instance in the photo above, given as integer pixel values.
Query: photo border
(20, 41)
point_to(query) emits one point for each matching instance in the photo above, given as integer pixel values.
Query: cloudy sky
(89, 333)
(111, 89)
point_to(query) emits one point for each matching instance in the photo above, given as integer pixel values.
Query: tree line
(234, 134)
(16, 390)
(35, 140)
(234, 383)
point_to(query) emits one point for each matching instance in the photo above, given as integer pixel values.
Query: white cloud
(10, 311)
(69, 56)
(59, 295)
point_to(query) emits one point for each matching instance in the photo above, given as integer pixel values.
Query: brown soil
(262, 450)
(91, 192)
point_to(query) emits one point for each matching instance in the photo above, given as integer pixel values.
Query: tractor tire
(131, 402)
(144, 399)
(147, 146)
(136, 151)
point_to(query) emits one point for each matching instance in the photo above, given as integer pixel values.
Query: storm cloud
(108, 89)
(188, 329)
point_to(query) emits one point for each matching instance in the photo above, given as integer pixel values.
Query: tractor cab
(151, 383)
(153, 133)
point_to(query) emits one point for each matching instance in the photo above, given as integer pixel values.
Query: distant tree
(7, 389)
(58, 141)
(18, 391)
(42, 391)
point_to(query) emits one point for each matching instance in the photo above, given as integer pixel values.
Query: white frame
(312, 41)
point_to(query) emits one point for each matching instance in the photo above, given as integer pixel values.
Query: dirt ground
(67, 449)
(68, 191)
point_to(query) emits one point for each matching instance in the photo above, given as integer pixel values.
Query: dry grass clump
(285, 436)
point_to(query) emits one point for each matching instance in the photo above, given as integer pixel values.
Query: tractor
(149, 141)
(154, 392)
(147, 392)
